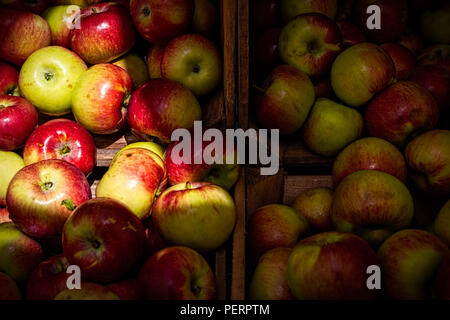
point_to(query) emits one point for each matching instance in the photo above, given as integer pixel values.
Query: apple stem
(188, 185)
(126, 100)
(69, 204)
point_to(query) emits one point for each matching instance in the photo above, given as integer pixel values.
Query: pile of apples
(377, 100)
(140, 236)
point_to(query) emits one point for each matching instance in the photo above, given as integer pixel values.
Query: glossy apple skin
(22, 34)
(409, 260)
(149, 145)
(10, 163)
(390, 207)
(8, 80)
(428, 157)
(413, 42)
(159, 107)
(435, 25)
(177, 273)
(274, 226)
(285, 100)
(48, 279)
(106, 32)
(315, 205)
(269, 281)
(437, 55)
(441, 224)
(266, 50)
(266, 14)
(19, 254)
(100, 97)
(88, 291)
(126, 290)
(154, 58)
(8, 288)
(331, 266)
(351, 34)
(18, 118)
(369, 154)
(403, 59)
(442, 285)
(349, 79)
(160, 20)
(4, 215)
(58, 18)
(399, 111)
(204, 20)
(105, 239)
(62, 139)
(310, 42)
(36, 193)
(136, 68)
(134, 178)
(292, 8)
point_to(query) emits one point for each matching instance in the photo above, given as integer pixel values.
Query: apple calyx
(12, 91)
(195, 289)
(46, 186)
(65, 150)
(196, 68)
(146, 11)
(188, 185)
(68, 203)
(48, 75)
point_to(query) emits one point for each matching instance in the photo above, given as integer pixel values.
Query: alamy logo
(374, 21)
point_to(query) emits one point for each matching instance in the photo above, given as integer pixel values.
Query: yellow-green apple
(204, 20)
(310, 42)
(292, 8)
(273, 226)
(48, 279)
(8, 80)
(177, 273)
(437, 55)
(4, 215)
(361, 71)
(331, 126)
(161, 106)
(136, 68)
(266, 14)
(10, 164)
(269, 281)
(106, 32)
(194, 61)
(126, 290)
(331, 266)
(48, 77)
(61, 139)
(61, 20)
(22, 34)
(198, 215)
(441, 224)
(369, 154)
(88, 291)
(19, 254)
(435, 24)
(428, 157)
(409, 260)
(8, 288)
(134, 178)
(158, 21)
(285, 100)
(155, 242)
(403, 59)
(34, 6)
(100, 98)
(149, 145)
(442, 283)
(413, 42)
(18, 118)
(400, 111)
(315, 205)
(266, 50)
(105, 239)
(393, 18)
(41, 196)
(372, 204)
(154, 58)
(351, 34)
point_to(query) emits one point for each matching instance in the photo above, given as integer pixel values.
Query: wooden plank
(295, 153)
(221, 273)
(294, 185)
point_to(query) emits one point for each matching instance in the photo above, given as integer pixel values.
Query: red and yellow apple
(61, 21)
(8, 80)
(136, 68)
(10, 163)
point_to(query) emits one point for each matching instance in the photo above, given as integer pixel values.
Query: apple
(100, 98)
(403, 60)
(136, 68)
(8, 288)
(323, 88)
(409, 260)
(154, 58)
(149, 145)
(204, 20)
(61, 139)
(269, 281)
(285, 100)
(198, 215)
(441, 224)
(134, 178)
(369, 154)
(126, 290)
(351, 79)
(19, 254)
(345, 9)
(22, 34)
(48, 78)
(161, 106)
(266, 14)
(88, 291)
(437, 55)
(435, 24)
(351, 34)
(315, 205)
(81, 3)
(177, 273)
(442, 284)
(61, 20)
(266, 50)
(273, 226)
(48, 279)
(8, 80)
(4, 215)
(18, 118)
(330, 266)
(399, 111)
(413, 42)
(331, 126)
(393, 19)
(155, 242)
(310, 42)
(193, 61)
(158, 21)
(390, 206)
(10, 163)
(292, 8)
(34, 6)
(42, 195)
(428, 157)
(104, 238)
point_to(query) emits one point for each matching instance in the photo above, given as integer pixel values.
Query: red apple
(266, 50)
(88, 291)
(8, 80)
(266, 14)
(18, 118)
(4, 215)
(154, 58)
(126, 290)
(205, 17)
(323, 88)
(155, 241)
(61, 139)
(413, 42)
(403, 60)
(177, 273)
(34, 6)
(351, 34)
(42, 196)
(292, 8)
(442, 284)
(106, 32)
(8, 288)
(437, 55)
(399, 111)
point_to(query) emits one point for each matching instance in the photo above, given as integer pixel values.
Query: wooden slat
(295, 154)
(294, 185)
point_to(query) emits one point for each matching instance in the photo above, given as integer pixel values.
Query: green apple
(149, 145)
(136, 68)
(442, 223)
(60, 19)
(10, 164)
